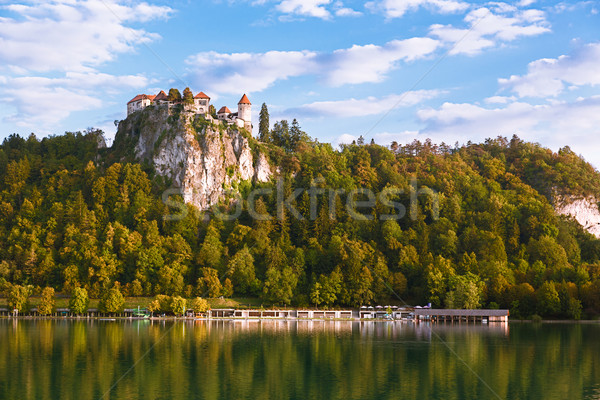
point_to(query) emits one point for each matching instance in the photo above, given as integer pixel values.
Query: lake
(64, 359)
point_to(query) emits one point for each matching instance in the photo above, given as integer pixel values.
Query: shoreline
(174, 318)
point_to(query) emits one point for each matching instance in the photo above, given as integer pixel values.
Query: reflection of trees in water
(287, 359)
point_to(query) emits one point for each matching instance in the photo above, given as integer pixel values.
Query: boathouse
(452, 315)
(324, 314)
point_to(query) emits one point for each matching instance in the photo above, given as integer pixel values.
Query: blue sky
(449, 70)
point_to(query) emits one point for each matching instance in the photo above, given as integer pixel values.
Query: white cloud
(547, 76)
(310, 8)
(363, 107)
(227, 73)
(51, 52)
(500, 99)
(371, 63)
(576, 124)
(342, 11)
(397, 8)
(345, 138)
(501, 7)
(41, 101)
(486, 29)
(70, 35)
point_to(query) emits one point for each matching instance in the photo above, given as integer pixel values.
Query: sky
(389, 70)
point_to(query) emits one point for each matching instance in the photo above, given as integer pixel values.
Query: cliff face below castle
(203, 159)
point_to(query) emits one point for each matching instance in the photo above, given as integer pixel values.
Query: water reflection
(250, 359)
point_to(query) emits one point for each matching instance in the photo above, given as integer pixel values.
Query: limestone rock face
(584, 210)
(263, 170)
(203, 159)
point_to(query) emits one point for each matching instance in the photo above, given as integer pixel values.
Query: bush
(536, 318)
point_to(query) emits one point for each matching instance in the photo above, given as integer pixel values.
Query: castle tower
(245, 112)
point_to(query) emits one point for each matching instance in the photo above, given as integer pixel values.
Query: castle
(201, 105)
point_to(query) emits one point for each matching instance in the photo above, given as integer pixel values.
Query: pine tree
(297, 135)
(264, 134)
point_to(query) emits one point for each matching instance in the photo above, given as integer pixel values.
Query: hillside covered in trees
(73, 214)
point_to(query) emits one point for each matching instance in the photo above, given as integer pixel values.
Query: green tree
(154, 306)
(174, 95)
(227, 288)
(210, 254)
(164, 302)
(279, 285)
(78, 303)
(112, 301)
(46, 306)
(241, 270)
(188, 96)
(331, 286)
(548, 251)
(178, 305)
(466, 292)
(18, 298)
(280, 135)
(209, 283)
(315, 294)
(522, 300)
(548, 300)
(264, 133)
(297, 135)
(171, 278)
(200, 305)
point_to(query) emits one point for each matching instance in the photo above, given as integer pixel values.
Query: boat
(141, 314)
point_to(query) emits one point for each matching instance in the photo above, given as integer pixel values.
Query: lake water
(50, 359)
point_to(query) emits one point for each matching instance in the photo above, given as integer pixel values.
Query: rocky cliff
(202, 158)
(584, 210)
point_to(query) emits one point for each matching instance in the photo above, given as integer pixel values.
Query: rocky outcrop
(202, 158)
(584, 210)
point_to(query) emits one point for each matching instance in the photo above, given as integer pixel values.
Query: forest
(74, 215)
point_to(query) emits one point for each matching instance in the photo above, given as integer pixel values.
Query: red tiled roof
(224, 109)
(244, 100)
(201, 95)
(161, 96)
(141, 97)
